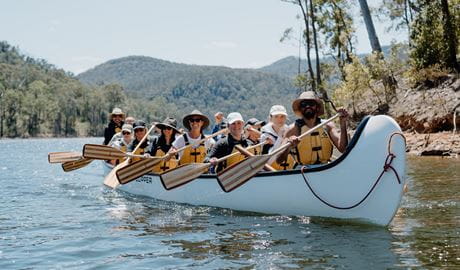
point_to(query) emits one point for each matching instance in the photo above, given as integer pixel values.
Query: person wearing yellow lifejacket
(273, 134)
(252, 133)
(317, 147)
(117, 118)
(195, 123)
(226, 145)
(140, 129)
(162, 144)
(123, 142)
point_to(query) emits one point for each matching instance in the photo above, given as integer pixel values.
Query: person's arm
(291, 134)
(340, 140)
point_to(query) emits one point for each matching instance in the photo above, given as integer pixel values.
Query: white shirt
(269, 132)
(179, 142)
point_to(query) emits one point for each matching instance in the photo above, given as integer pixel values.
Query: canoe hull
(342, 184)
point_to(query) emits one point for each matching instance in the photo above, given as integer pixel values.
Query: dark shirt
(110, 131)
(147, 144)
(160, 143)
(224, 147)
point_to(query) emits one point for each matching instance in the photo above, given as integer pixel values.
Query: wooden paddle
(187, 172)
(111, 179)
(142, 167)
(105, 152)
(76, 164)
(60, 157)
(241, 172)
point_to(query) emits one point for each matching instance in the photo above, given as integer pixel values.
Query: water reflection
(423, 234)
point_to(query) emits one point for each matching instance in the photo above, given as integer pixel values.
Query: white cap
(278, 109)
(233, 117)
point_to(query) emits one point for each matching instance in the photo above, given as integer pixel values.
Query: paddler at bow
(195, 123)
(317, 147)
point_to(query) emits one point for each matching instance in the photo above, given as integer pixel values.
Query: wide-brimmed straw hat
(308, 95)
(117, 111)
(168, 122)
(195, 113)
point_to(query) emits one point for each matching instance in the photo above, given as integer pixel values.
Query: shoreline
(442, 144)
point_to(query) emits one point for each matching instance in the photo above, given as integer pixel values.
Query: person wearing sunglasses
(195, 123)
(273, 135)
(140, 129)
(162, 144)
(117, 118)
(317, 147)
(122, 142)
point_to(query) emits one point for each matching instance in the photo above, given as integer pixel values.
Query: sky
(78, 35)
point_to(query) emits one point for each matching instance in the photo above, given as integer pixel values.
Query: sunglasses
(307, 103)
(167, 128)
(195, 120)
(126, 133)
(117, 115)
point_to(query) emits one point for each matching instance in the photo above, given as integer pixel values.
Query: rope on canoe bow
(386, 166)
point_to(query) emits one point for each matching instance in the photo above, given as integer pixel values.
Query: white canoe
(343, 183)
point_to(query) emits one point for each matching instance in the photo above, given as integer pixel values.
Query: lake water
(55, 220)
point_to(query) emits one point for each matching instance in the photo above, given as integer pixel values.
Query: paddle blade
(110, 179)
(183, 174)
(77, 164)
(102, 152)
(239, 173)
(136, 170)
(60, 157)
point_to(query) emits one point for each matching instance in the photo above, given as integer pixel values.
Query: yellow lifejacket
(257, 150)
(235, 159)
(117, 130)
(288, 164)
(315, 148)
(141, 150)
(164, 165)
(123, 148)
(191, 154)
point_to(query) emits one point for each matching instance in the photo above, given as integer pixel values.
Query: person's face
(309, 108)
(219, 117)
(129, 120)
(252, 133)
(279, 119)
(196, 123)
(139, 133)
(126, 135)
(117, 118)
(167, 131)
(236, 128)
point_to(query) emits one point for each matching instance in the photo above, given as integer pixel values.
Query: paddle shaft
(247, 153)
(202, 140)
(237, 153)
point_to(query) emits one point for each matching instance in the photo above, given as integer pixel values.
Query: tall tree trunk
(307, 39)
(375, 44)
(449, 37)
(315, 39)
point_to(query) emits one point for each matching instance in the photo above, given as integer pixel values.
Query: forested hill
(187, 87)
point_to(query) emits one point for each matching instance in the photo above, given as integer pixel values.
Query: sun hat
(117, 111)
(255, 122)
(233, 117)
(186, 119)
(278, 109)
(168, 122)
(308, 95)
(127, 127)
(139, 124)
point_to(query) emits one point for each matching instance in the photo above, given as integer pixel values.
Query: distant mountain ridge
(207, 88)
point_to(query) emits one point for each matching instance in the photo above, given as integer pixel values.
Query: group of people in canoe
(258, 137)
